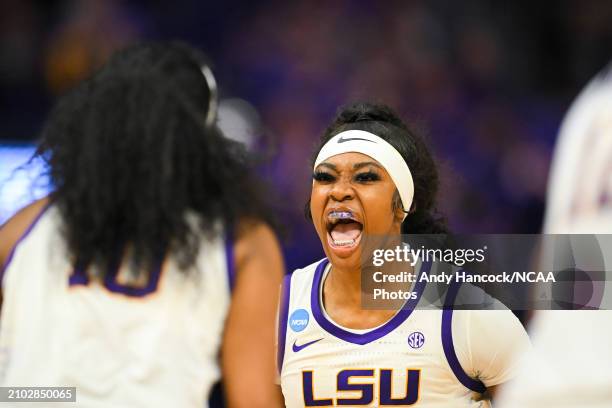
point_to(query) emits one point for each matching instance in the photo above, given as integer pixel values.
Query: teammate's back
(118, 344)
(150, 271)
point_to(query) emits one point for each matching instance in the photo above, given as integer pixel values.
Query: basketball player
(374, 176)
(151, 256)
(570, 364)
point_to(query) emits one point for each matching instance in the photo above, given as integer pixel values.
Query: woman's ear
(399, 214)
(398, 208)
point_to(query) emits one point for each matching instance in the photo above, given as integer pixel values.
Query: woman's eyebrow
(357, 166)
(331, 166)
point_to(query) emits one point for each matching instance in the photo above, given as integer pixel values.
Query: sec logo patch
(416, 340)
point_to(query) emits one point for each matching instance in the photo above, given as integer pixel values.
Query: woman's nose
(342, 190)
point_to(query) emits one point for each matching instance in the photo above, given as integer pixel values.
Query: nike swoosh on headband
(297, 348)
(348, 139)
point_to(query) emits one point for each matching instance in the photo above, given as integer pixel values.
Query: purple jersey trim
(449, 347)
(229, 258)
(78, 276)
(21, 238)
(111, 283)
(283, 318)
(361, 338)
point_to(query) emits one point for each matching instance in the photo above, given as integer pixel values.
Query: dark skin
(354, 182)
(13, 229)
(247, 353)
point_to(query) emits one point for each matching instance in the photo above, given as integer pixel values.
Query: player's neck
(342, 301)
(344, 284)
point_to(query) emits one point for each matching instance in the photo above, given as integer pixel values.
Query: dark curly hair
(382, 121)
(130, 156)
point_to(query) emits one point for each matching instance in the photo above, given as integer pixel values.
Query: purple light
(20, 182)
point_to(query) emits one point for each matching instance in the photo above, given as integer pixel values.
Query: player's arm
(248, 346)
(498, 343)
(15, 227)
(492, 391)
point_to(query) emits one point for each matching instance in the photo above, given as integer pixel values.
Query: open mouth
(343, 229)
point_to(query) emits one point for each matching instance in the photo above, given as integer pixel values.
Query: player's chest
(322, 369)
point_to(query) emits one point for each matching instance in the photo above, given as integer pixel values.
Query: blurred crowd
(487, 82)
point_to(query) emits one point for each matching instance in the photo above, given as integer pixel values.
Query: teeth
(341, 215)
(346, 242)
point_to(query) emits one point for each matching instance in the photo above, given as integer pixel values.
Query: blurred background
(487, 82)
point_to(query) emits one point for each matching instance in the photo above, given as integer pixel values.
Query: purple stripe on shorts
(449, 347)
(368, 337)
(21, 238)
(283, 318)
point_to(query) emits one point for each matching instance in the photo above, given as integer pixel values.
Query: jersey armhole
(283, 318)
(449, 347)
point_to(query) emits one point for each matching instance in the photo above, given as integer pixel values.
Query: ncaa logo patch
(416, 340)
(299, 320)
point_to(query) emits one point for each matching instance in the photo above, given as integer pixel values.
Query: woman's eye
(365, 177)
(323, 177)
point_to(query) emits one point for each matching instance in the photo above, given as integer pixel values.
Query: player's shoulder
(469, 294)
(477, 306)
(301, 278)
(309, 270)
(18, 225)
(254, 239)
(490, 315)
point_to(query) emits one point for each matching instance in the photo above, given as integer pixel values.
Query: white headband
(380, 150)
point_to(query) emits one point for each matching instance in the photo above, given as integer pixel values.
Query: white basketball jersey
(421, 358)
(151, 345)
(579, 199)
(571, 362)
